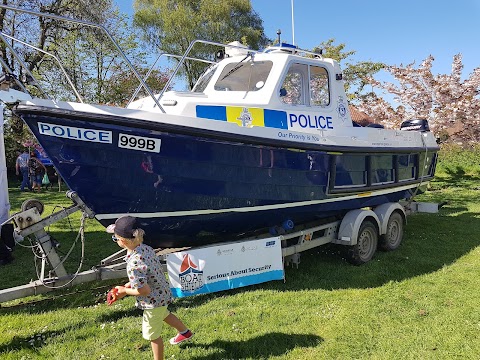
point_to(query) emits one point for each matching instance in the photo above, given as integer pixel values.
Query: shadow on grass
(120, 314)
(261, 347)
(457, 173)
(455, 178)
(84, 295)
(33, 342)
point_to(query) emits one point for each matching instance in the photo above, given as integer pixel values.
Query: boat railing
(74, 21)
(3, 36)
(143, 84)
(147, 75)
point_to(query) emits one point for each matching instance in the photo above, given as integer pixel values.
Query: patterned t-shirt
(144, 266)
(22, 160)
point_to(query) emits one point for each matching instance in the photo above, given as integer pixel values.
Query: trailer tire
(393, 237)
(366, 246)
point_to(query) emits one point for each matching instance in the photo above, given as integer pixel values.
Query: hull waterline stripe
(255, 208)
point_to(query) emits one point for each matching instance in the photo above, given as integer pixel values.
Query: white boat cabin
(281, 87)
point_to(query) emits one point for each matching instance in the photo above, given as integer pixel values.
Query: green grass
(418, 302)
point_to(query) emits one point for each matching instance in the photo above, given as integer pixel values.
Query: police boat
(262, 138)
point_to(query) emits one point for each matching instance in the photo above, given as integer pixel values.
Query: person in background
(21, 167)
(36, 170)
(6, 243)
(148, 284)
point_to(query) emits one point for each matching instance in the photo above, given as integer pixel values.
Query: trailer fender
(350, 225)
(384, 212)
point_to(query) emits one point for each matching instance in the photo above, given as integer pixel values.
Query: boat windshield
(244, 76)
(203, 81)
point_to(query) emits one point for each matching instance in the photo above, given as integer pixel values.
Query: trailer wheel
(366, 245)
(394, 235)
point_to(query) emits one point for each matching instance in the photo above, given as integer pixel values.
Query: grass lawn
(418, 302)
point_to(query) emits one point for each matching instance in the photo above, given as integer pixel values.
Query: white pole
(4, 200)
(293, 27)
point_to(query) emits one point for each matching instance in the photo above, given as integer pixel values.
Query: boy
(148, 283)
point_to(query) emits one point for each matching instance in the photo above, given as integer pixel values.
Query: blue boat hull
(198, 189)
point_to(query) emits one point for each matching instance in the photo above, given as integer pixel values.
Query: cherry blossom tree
(450, 104)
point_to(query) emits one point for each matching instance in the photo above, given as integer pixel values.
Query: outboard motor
(415, 125)
(376, 126)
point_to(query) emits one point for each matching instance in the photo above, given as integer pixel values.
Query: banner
(227, 266)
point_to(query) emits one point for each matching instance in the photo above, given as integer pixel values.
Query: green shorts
(153, 322)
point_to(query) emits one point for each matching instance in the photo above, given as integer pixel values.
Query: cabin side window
(244, 76)
(203, 81)
(302, 80)
(406, 167)
(291, 91)
(319, 94)
(350, 171)
(382, 169)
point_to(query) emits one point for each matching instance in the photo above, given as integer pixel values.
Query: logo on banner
(191, 278)
(270, 243)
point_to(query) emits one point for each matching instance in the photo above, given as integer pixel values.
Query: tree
(450, 104)
(354, 74)
(172, 25)
(90, 59)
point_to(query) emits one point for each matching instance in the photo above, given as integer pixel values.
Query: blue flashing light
(286, 45)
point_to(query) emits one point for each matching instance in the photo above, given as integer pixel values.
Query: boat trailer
(360, 230)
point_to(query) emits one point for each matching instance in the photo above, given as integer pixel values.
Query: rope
(80, 235)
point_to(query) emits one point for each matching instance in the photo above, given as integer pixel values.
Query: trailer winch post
(29, 222)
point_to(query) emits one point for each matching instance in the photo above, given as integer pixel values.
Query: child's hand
(121, 291)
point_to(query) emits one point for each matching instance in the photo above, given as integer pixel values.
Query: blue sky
(393, 32)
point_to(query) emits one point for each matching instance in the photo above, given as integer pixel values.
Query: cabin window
(382, 169)
(406, 167)
(291, 91)
(295, 87)
(319, 94)
(350, 171)
(244, 76)
(203, 81)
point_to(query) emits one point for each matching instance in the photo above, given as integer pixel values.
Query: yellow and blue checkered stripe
(256, 116)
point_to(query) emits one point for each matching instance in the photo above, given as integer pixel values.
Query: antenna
(279, 32)
(293, 27)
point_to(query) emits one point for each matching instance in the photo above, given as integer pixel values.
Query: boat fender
(276, 230)
(287, 225)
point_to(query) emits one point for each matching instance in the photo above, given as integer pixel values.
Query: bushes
(459, 160)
